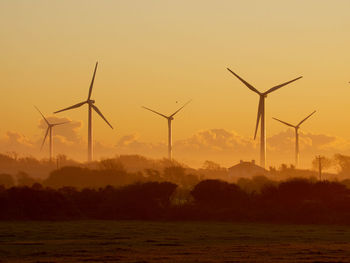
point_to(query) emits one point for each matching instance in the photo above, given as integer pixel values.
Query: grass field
(138, 241)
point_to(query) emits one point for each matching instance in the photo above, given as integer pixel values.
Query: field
(139, 241)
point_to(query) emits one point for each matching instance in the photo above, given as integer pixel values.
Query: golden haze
(158, 53)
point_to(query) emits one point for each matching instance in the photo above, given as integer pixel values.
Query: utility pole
(319, 167)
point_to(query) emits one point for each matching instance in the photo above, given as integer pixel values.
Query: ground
(140, 241)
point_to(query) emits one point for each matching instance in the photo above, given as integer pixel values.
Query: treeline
(293, 201)
(138, 201)
(118, 171)
(12, 163)
(129, 169)
(82, 177)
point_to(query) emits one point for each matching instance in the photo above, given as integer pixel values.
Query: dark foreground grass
(140, 241)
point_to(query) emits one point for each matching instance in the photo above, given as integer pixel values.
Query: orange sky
(155, 53)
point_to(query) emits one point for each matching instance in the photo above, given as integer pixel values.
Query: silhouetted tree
(326, 163)
(111, 164)
(177, 175)
(6, 180)
(343, 162)
(255, 184)
(210, 165)
(154, 175)
(23, 179)
(216, 193)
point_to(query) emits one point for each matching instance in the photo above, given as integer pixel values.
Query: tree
(321, 163)
(210, 165)
(23, 179)
(216, 194)
(6, 180)
(111, 164)
(343, 162)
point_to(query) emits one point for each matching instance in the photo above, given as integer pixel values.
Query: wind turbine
(50, 132)
(91, 105)
(261, 114)
(296, 127)
(169, 118)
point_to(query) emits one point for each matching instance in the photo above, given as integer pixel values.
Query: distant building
(245, 169)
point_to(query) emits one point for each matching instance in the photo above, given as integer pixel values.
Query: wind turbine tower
(49, 131)
(261, 114)
(91, 107)
(169, 118)
(296, 128)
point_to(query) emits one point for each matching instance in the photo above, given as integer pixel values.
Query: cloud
(70, 131)
(131, 144)
(217, 140)
(219, 145)
(228, 147)
(66, 137)
(15, 140)
(225, 147)
(281, 146)
(324, 142)
(309, 142)
(128, 140)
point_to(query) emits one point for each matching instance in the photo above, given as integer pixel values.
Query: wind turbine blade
(92, 82)
(306, 118)
(286, 123)
(42, 116)
(172, 115)
(258, 117)
(244, 82)
(72, 107)
(155, 112)
(100, 113)
(281, 85)
(60, 123)
(47, 132)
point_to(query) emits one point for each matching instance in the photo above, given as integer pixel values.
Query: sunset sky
(162, 53)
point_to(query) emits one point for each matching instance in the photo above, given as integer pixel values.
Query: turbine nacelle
(296, 127)
(91, 103)
(299, 124)
(49, 130)
(169, 118)
(263, 95)
(261, 112)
